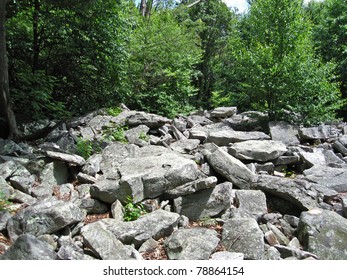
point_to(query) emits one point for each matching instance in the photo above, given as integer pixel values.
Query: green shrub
(4, 202)
(114, 111)
(133, 211)
(115, 134)
(143, 136)
(84, 148)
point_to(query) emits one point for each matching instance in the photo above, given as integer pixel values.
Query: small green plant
(114, 111)
(289, 173)
(143, 136)
(116, 133)
(84, 148)
(133, 211)
(4, 202)
(207, 222)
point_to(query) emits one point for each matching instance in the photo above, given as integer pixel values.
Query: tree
(330, 35)
(8, 126)
(163, 53)
(276, 68)
(216, 18)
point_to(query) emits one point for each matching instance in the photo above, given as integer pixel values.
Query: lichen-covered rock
(46, 216)
(323, 233)
(28, 247)
(191, 244)
(243, 235)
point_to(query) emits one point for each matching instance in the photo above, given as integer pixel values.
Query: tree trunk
(143, 7)
(8, 126)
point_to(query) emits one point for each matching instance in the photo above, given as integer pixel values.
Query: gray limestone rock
(248, 121)
(192, 187)
(185, 146)
(117, 211)
(258, 150)
(314, 158)
(150, 177)
(46, 216)
(225, 137)
(28, 247)
(205, 203)
(302, 194)
(191, 244)
(135, 118)
(137, 135)
(323, 233)
(156, 225)
(251, 201)
(93, 206)
(4, 217)
(198, 133)
(344, 206)
(287, 252)
(223, 112)
(284, 132)
(243, 235)
(70, 159)
(332, 178)
(92, 166)
(229, 167)
(322, 132)
(340, 148)
(109, 191)
(104, 244)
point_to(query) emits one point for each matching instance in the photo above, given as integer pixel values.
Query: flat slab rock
(301, 193)
(284, 132)
(258, 150)
(71, 159)
(156, 225)
(225, 137)
(323, 233)
(191, 244)
(45, 217)
(332, 178)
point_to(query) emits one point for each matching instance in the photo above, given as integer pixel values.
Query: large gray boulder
(223, 112)
(135, 118)
(70, 159)
(258, 150)
(229, 167)
(46, 216)
(109, 191)
(248, 121)
(243, 235)
(284, 132)
(191, 244)
(104, 244)
(205, 203)
(302, 194)
(323, 233)
(156, 225)
(252, 202)
(28, 247)
(332, 178)
(225, 137)
(321, 132)
(151, 176)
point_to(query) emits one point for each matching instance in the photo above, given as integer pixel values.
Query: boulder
(252, 202)
(329, 177)
(156, 225)
(302, 194)
(223, 112)
(229, 167)
(258, 150)
(185, 146)
(137, 135)
(340, 148)
(225, 137)
(192, 187)
(344, 206)
(194, 120)
(284, 132)
(205, 203)
(191, 244)
(46, 216)
(198, 134)
(323, 233)
(70, 159)
(151, 176)
(314, 158)
(135, 118)
(290, 252)
(109, 191)
(104, 244)
(28, 247)
(248, 121)
(322, 132)
(4, 217)
(243, 235)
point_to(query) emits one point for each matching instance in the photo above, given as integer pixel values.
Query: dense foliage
(169, 57)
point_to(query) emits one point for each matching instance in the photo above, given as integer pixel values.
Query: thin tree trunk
(8, 125)
(143, 7)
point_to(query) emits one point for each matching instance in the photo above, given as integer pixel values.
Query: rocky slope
(213, 185)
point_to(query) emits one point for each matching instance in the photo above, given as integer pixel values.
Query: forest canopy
(66, 58)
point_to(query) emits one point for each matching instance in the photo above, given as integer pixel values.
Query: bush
(133, 211)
